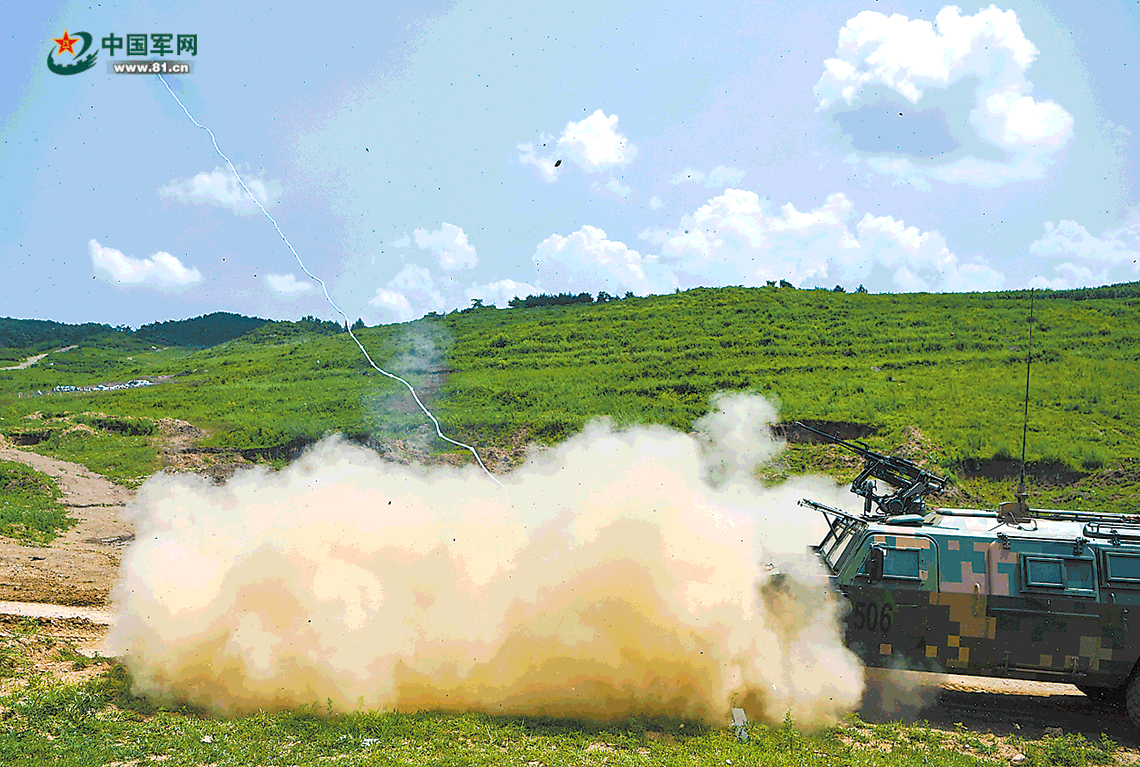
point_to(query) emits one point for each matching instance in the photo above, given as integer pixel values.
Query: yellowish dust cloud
(623, 573)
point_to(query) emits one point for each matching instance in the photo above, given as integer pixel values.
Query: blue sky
(420, 155)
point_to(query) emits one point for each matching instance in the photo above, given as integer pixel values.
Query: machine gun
(912, 482)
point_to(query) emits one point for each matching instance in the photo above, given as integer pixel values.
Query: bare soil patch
(84, 635)
(796, 434)
(178, 441)
(68, 650)
(1044, 473)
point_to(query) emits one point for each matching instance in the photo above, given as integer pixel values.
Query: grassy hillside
(35, 335)
(24, 338)
(951, 366)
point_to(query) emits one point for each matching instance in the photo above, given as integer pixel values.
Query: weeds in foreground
(29, 505)
(1070, 750)
(101, 721)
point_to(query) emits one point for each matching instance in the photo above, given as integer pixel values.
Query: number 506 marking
(872, 616)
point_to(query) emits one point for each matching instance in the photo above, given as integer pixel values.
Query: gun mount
(1040, 594)
(912, 483)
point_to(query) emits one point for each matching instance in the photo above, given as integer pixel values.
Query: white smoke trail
(325, 289)
(619, 582)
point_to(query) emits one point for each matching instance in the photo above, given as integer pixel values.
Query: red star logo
(66, 43)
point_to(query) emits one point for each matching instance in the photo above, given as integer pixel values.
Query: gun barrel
(857, 447)
(803, 425)
(880, 464)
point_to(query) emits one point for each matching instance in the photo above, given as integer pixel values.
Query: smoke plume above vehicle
(621, 573)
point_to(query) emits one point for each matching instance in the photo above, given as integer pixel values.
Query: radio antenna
(1022, 494)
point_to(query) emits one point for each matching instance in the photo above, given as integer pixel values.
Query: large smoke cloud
(622, 573)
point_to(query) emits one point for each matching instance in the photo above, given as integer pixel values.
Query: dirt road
(81, 565)
(33, 360)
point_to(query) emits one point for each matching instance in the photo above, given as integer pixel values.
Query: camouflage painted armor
(1025, 593)
(958, 591)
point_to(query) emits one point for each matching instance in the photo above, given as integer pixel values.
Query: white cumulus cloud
(287, 284)
(220, 188)
(593, 144)
(879, 55)
(1068, 256)
(914, 260)
(415, 291)
(410, 294)
(588, 261)
(160, 270)
(449, 245)
(737, 238)
(394, 303)
(500, 292)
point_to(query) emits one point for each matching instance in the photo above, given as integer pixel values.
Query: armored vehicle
(1015, 592)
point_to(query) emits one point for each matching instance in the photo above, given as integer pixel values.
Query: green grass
(101, 722)
(120, 448)
(950, 365)
(1069, 750)
(44, 721)
(263, 391)
(953, 366)
(127, 460)
(29, 505)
